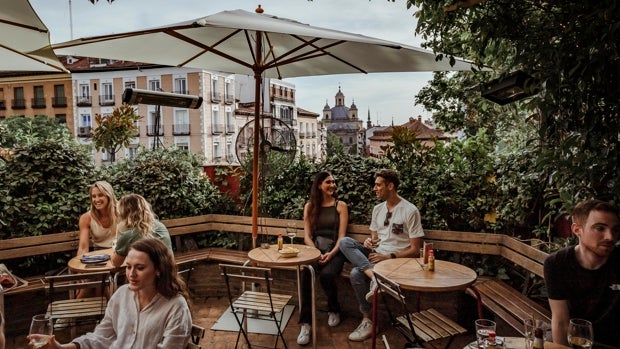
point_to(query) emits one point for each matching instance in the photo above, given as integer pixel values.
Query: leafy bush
(44, 188)
(172, 181)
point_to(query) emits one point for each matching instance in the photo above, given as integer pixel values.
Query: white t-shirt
(405, 223)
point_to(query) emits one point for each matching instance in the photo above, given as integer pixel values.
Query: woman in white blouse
(150, 311)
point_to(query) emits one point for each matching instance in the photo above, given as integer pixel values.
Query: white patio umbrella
(264, 46)
(24, 40)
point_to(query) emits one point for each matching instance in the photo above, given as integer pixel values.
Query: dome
(340, 113)
(341, 127)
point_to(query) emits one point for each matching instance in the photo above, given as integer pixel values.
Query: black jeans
(327, 275)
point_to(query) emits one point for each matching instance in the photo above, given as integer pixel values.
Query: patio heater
(159, 98)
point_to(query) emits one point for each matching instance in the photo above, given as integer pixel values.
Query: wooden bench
(181, 229)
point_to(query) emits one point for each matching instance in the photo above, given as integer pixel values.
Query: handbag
(324, 244)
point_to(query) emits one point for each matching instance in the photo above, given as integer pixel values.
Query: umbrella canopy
(25, 41)
(264, 46)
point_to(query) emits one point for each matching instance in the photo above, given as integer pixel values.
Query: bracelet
(392, 255)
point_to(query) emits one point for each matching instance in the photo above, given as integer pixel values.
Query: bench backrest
(510, 248)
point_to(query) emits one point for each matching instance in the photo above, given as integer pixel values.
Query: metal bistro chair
(198, 333)
(262, 305)
(73, 311)
(419, 327)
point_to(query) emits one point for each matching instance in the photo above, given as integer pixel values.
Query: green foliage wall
(44, 188)
(172, 180)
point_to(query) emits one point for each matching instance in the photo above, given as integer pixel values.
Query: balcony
(84, 131)
(180, 129)
(106, 100)
(182, 92)
(38, 103)
(2, 104)
(59, 102)
(216, 97)
(84, 101)
(151, 130)
(230, 128)
(217, 128)
(302, 135)
(19, 103)
(229, 99)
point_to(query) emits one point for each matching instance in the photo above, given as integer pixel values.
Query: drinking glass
(529, 326)
(291, 231)
(580, 334)
(483, 327)
(42, 326)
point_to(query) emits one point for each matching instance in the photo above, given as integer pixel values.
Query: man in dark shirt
(583, 281)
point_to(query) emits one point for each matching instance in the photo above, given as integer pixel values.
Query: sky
(386, 97)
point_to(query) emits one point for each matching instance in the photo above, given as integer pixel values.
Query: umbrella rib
(207, 48)
(317, 52)
(23, 25)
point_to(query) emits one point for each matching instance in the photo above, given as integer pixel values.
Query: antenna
(70, 20)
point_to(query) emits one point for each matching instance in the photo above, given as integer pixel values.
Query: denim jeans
(357, 254)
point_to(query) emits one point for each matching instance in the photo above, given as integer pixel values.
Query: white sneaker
(304, 334)
(362, 332)
(371, 292)
(333, 319)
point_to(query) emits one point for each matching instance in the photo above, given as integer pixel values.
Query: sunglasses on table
(387, 218)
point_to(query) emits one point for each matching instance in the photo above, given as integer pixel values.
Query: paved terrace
(209, 303)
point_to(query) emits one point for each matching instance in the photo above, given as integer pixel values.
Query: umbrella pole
(257, 83)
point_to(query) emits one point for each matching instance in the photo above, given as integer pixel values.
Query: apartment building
(31, 94)
(98, 86)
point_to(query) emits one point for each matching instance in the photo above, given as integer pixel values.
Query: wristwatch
(392, 255)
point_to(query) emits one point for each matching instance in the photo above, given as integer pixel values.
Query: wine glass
(43, 327)
(580, 334)
(291, 231)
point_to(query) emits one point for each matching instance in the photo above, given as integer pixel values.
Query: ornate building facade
(345, 123)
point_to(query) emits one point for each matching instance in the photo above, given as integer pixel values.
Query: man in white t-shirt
(395, 231)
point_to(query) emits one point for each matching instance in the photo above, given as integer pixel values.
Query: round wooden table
(410, 275)
(518, 343)
(75, 264)
(307, 255)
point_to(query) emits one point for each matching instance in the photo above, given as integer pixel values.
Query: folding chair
(198, 333)
(74, 311)
(419, 327)
(262, 305)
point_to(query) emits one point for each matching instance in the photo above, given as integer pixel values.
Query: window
(85, 120)
(180, 85)
(132, 151)
(84, 90)
(215, 119)
(230, 122)
(215, 94)
(59, 99)
(228, 92)
(130, 84)
(39, 98)
(181, 122)
(107, 94)
(62, 118)
(18, 98)
(105, 156)
(230, 151)
(154, 85)
(217, 152)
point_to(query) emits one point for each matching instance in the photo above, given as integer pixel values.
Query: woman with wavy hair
(99, 223)
(137, 221)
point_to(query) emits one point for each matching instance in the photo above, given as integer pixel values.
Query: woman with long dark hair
(325, 223)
